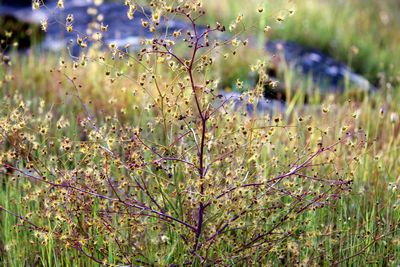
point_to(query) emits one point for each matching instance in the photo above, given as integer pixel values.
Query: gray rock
(240, 102)
(326, 73)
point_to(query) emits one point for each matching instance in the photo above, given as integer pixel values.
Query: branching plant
(179, 177)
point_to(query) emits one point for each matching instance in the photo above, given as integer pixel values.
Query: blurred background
(361, 33)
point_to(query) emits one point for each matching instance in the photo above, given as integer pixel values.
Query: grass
(333, 27)
(360, 229)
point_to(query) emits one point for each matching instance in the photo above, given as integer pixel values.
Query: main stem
(201, 173)
(203, 117)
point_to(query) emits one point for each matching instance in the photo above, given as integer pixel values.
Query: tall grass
(360, 229)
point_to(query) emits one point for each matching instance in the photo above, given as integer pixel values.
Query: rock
(326, 73)
(240, 102)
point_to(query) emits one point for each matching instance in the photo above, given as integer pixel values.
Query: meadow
(100, 166)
